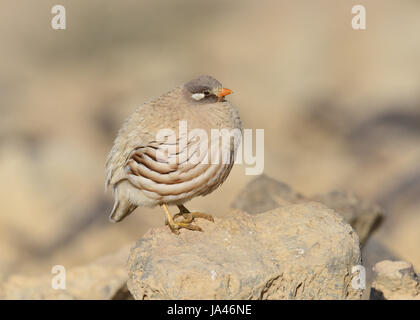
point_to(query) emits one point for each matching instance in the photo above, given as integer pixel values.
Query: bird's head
(206, 89)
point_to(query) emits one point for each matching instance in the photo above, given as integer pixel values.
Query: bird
(148, 167)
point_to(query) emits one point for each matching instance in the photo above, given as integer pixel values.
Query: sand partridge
(148, 166)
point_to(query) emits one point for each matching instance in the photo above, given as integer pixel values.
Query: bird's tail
(122, 207)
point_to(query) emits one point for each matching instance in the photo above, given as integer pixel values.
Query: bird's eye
(198, 96)
(206, 92)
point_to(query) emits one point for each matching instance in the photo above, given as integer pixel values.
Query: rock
(104, 279)
(374, 251)
(264, 193)
(302, 251)
(363, 216)
(395, 280)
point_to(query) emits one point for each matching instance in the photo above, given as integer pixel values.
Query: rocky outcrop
(302, 251)
(264, 193)
(372, 252)
(363, 216)
(296, 249)
(103, 279)
(395, 280)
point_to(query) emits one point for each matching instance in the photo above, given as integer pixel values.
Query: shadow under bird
(146, 169)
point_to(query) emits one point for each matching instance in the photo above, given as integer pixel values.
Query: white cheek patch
(198, 96)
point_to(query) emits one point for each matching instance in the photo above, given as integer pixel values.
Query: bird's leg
(175, 226)
(190, 216)
(183, 212)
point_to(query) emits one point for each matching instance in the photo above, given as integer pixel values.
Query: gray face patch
(202, 83)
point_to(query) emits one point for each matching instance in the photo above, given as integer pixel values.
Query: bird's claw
(186, 223)
(190, 216)
(175, 226)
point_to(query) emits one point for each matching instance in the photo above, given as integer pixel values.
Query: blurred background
(340, 109)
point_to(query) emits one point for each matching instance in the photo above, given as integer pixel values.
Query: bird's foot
(190, 216)
(186, 224)
(175, 225)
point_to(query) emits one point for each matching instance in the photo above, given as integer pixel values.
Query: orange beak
(222, 92)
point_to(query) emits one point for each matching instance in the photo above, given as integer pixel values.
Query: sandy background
(340, 109)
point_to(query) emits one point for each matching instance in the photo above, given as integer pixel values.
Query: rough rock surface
(302, 251)
(363, 216)
(264, 193)
(374, 251)
(103, 279)
(395, 280)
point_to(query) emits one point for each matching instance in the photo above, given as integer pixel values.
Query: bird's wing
(163, 169)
